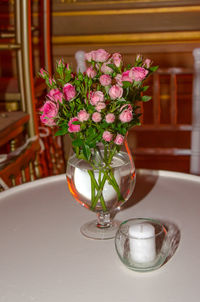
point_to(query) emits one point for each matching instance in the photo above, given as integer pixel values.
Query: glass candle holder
(143, 244)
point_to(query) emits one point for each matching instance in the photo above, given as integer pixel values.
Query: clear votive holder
(142, 244)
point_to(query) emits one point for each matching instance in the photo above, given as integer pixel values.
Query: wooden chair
(18, 128)
(29, 163)
(22, 168)
(20, 163)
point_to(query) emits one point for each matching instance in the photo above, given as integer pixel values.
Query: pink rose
(91, 73)
(126, 116)
(115, 92)
(72, 127)
(55, 95)
(138, 57)
(127, 106)
(117, 59)
(96, 117)
(60, 64)
(51, 81)
(89, 56)
(105, 80)
(110, 117)
(100, 106)
(43, 72)
(147, 63)
(69, 91)
(125, 77)
(107, 136)
(67, 66)
(96, 97)
(106, 69)
(138, 73)
(50, 109)
(49, 112)
(83, 116)
(119, 139)
(101, 55)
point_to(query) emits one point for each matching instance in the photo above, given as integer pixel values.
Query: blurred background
(34, 34)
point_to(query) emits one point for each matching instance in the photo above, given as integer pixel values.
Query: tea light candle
(142, 242)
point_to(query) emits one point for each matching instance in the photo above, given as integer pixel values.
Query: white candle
(142, 242)
(82, 183)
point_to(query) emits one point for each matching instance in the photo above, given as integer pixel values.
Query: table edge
(57, 178)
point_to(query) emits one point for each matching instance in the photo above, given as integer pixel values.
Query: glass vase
(102, 184)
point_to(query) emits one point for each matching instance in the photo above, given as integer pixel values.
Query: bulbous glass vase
(102, 184)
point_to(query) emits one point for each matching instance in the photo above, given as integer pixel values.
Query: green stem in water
(101, 198)
(99, 195)
(107, 175)
(111, 177)
(94, 185)
(115, 185)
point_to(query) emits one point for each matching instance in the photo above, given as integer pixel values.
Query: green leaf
(107, 88)
(80, 76)
(146, 98)
(90, 82)
(127, 67)
(86, 152)
(137, 83)
(91, 133)
(123, 131)
(153, 68)
(77, 82)
(145, 88)
(61, 132)
(77, 142)
(77, 150)
(92, 143)
(76, 123)
(126, 84)
(80, 156)
(67, 78)
(113, 67)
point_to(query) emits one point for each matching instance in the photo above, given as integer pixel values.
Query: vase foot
(90, 230)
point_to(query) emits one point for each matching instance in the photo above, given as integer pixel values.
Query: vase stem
(103, 220)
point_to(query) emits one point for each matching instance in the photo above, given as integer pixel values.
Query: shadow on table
(145, 181)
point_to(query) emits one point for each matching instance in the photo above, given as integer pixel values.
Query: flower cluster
(100, 105)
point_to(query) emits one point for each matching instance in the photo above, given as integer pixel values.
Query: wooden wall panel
(88, 24)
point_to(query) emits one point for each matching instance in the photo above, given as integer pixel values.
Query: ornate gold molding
(138, 38)
(77, 2)
(154, 10)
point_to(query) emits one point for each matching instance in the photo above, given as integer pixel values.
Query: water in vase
(103, 188)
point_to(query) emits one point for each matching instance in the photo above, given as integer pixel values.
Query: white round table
(44, 257)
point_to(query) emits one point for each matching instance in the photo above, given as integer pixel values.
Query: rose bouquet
(97, 108)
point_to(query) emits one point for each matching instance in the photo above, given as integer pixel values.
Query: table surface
(44, 257)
